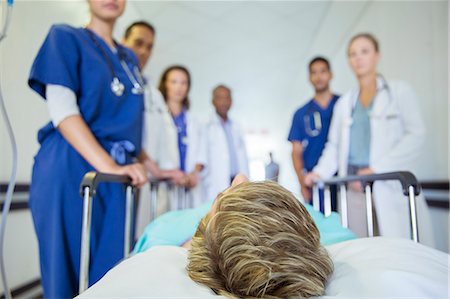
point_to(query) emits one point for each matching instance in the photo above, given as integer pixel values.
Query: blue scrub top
(180, 123)
(312, 145)
(69, 57)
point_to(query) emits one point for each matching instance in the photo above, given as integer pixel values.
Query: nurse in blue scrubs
(96, 111)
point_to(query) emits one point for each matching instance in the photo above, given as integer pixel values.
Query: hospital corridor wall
(259, 49)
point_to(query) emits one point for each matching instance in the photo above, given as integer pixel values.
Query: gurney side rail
(88, 188)
(410, 187)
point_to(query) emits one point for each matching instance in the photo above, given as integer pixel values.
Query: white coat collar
(381, 84)
(218, 120)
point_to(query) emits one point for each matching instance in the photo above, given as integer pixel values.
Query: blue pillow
(176, 227)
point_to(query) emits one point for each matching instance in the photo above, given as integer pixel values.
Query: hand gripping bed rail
(88, 189)
(410, 186)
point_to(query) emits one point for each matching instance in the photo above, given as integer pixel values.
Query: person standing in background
(377, 127)
(226, 151)
(310, 125)
(139, 37)
(186, 144)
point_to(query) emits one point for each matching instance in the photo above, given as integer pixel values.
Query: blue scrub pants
(333, 191)
(56, 207)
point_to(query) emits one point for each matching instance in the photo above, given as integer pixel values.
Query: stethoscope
(384, 86)
(135, 78)
(152, 106)
(314, 130)
(314, 127)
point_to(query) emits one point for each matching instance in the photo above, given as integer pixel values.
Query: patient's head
(259, 241)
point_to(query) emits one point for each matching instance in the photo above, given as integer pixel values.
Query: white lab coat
(154, 137)
(218, 171)
(160, 138)
(397, 136)
(154, 140)
(160, 141)
(196, 151)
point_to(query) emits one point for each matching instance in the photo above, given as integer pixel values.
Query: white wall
(31, 21)
(21, 253)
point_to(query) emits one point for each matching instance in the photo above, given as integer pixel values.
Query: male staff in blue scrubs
(140, 37)
(310, 125)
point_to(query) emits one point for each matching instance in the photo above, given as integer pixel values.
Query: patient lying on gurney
(177, 227)
(257, 240)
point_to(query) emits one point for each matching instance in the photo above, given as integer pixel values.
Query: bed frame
(411, 189)
(91, 180)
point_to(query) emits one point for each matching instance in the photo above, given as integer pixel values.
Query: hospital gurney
(363, 268)
(88, 189)
(368, 267)
(410, 186)
(178, 197)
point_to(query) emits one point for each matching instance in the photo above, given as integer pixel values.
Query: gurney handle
(405, 178)
(88, 188)
(410, 186)
(92, 179)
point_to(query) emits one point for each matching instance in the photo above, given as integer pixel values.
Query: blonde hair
(261, 242)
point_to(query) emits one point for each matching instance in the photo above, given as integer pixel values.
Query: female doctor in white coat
(376, 127)
(185, 143)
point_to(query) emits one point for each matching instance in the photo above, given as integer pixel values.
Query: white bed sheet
(376, 268)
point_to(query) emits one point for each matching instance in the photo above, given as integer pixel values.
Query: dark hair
(162, 83)
(368, 36)
(321, 59)
(221, 86)
(138, 23)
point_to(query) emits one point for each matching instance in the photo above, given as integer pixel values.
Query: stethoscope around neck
(117, 87)
(383, 86)
(312, 130)
(312, 121)
(314, 127)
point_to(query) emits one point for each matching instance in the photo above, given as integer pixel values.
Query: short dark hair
(139, 23)
(221, 86)
(321, 59)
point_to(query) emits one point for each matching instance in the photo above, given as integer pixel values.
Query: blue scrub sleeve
(297, 129)
(57, 61)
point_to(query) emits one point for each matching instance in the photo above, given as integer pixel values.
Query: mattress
(370, 267)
